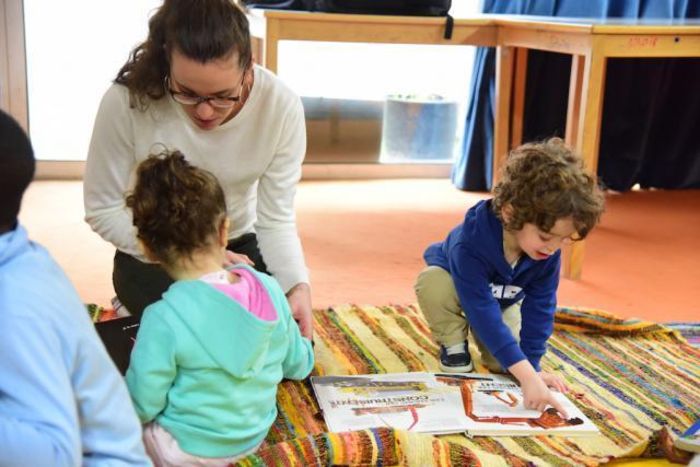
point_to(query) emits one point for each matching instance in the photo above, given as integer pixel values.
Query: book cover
(119, 336)
(407, 401)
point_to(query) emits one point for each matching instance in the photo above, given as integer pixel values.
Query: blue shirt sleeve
(152, 368)
(299, 359)
(537, 313)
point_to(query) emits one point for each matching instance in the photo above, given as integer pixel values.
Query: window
(419, 92)
(74, 49)
(344, 87)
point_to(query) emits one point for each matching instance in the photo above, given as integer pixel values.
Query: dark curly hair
(177, 208)
(543, 182)
(202, 30)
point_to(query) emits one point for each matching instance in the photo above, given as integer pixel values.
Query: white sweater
(256, 156)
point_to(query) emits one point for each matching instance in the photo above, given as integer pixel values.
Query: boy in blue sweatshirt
(62, 401)
(497, 273)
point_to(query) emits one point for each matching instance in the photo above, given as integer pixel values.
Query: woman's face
(220, 78)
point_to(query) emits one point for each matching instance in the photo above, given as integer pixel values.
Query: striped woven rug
(638, 381)
(690, 331)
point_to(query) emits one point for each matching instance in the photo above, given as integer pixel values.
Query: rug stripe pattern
(631, 377)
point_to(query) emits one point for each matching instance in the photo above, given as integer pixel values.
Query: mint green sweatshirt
(207, 370)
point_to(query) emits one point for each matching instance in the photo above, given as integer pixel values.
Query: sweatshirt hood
(236, 339)
(483, 230)
(11, 243)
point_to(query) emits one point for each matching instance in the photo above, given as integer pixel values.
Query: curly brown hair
(543, 182)
(202, 30)
(177, 208)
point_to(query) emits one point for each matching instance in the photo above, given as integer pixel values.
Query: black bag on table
(369, 7)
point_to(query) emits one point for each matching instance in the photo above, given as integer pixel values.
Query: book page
(406, 401)
(493, 405)
(478, 404)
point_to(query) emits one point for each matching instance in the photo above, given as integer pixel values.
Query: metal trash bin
(418, 128)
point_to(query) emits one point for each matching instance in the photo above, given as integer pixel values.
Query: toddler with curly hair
(497, 273)
(210, 353)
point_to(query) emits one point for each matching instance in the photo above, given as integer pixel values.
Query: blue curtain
(651, 118)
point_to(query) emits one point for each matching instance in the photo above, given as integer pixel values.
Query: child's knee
(434, 282)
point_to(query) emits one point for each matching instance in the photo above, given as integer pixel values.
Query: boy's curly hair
(545, 181)
(177, 208)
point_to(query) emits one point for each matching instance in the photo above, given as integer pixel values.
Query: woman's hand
(299, 298)
(236, 258)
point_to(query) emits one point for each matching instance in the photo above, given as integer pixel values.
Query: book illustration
(410, 409)
(368, 385)
(408, 401)
(475, 404)
(494, 405)
(365, 386)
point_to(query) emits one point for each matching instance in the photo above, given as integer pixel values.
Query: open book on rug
(475, 404)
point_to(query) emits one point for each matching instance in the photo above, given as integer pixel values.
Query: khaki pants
(449, 324)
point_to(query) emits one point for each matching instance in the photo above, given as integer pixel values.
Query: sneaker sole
(457, 369)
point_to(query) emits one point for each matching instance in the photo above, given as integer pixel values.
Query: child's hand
(236, 258)
(554, 382)
(537, 396)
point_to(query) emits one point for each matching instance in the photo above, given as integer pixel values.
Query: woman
(192, 86)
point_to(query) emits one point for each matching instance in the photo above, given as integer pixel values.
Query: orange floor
(364, 241)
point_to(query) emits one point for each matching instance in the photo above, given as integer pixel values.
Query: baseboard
(59, 170)
(74, 170)
(372, 171)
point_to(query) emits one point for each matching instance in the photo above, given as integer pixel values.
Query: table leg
(591, 110)
(257, 48)
(502, 118)
(587, 140)
(520, 81)
(271, 44)
(573, 111)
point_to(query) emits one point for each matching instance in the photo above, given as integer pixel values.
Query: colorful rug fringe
(689, 331)
(634, 379)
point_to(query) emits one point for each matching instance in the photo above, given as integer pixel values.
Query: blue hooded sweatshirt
(62, 400)
(486, 284)
(206, 369)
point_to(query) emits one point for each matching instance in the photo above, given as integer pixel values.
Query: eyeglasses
(186, 98)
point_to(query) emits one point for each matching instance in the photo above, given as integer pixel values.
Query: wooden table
(591, 43)
(268, 27)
